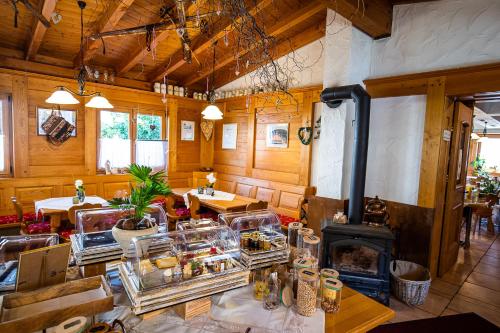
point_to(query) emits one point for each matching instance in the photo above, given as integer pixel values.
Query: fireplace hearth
(361, 254)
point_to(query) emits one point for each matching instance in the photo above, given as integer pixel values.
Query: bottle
(271, 299)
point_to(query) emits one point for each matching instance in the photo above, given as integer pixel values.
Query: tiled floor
(472, 285)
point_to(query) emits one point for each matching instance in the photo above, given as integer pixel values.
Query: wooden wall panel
(26, 195)
(69, 190)
(110, 189)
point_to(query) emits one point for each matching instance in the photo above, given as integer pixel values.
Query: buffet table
(358, 313)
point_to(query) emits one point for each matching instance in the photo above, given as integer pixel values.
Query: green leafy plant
(478, 164)
(148, 186)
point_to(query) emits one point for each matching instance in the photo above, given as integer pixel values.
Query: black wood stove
(361, 253)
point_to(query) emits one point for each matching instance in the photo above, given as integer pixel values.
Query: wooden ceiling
(294, 23)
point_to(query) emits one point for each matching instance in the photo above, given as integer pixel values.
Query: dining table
(57, 208)
(221, 202)
(469, 213)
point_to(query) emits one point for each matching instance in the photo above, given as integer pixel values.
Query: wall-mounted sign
(229, 136)
(187, 130)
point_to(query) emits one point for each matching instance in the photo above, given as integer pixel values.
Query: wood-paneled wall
(41, 170)
(252, 158)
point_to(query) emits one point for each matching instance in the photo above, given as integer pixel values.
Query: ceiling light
(99, 102)
(212, 112)
(484, 138)
(474, 136)
(62, 96)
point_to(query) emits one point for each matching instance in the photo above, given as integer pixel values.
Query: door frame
(440, 88)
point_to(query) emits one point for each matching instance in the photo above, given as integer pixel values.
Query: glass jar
(259, 284)
(311, 246)
(271, 297)
(326, 273)
(307, 290)
(301, 233)
(298, 264)
(287, 291)
(331, 294)
(293, 229)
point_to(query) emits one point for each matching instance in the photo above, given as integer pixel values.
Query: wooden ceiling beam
(39, 29)
(283, 48)
(204, 44)
(141, 52)
(277, 29)
(374, 19)
(108, 22)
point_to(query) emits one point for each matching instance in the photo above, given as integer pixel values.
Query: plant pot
(123, 237)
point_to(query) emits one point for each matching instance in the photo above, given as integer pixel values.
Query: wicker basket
(410, 282)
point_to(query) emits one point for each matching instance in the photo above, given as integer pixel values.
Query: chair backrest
(72, 210)
(170, 205)
(194, 206)
(257, 205)
(18, 208)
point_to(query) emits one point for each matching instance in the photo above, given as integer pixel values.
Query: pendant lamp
(212, 111)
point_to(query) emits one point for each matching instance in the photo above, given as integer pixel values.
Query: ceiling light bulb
(99, 102)
(61, 96)
(212, 112)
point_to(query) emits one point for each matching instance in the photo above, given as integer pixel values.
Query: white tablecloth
(66, 203)
(218, 195)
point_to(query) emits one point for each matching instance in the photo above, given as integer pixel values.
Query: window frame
(132, 130)
(6, 101)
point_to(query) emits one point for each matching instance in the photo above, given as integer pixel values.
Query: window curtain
(151, 153)
(116, 150)
(490, 152)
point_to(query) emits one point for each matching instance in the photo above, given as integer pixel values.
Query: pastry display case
(199, 262)
(11, 247)
(93, 241)
(262, 242)
(196, 223)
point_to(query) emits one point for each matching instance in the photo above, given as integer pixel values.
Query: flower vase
(210, 191)
(81, 196)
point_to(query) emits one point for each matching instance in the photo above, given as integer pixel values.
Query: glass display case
(199, 262)
(262, 242)
(11, 247)
(94, 242)
(197, 223)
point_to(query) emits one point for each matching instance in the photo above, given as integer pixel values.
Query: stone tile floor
(472, 285)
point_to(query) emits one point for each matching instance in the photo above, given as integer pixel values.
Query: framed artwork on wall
(277, 135)
(187, 130)
(229, 136)
(43, 113)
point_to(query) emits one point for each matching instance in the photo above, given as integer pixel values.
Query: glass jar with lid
(301, 233)
(293, 232)
(311, 246)
(271, 299)
(331, 294)
(298, 264)
(307, 290)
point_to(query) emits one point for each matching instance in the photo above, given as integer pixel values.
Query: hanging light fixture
(484, 138)
(474, 136)
(63, 95)
(212, 111)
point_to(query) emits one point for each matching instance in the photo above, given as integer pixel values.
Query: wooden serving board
(36, 310)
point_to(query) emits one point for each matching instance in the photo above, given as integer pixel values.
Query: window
(5, 135)
(117, 135)
(490, 152)
(150, 150)
(114, 140)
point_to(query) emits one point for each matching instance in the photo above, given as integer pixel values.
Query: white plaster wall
(310, 55)
(438, 35)
(395, 148)
(315, 157)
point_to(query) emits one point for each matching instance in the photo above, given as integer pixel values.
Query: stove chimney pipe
(333, 97)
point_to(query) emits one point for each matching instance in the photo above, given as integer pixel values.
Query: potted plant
(210, 185)
(137, 221)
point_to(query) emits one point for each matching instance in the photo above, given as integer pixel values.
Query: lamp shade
(212, 112)
(61, 96)
(474, 136)
(99, 102)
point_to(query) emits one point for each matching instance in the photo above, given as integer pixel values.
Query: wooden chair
(72, 210)
(172, 216)
(257, 205)
(194, 206)
(485, 212)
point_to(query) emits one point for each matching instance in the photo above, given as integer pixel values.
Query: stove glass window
(355, 259)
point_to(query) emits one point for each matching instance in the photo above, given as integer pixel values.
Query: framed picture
(277, 135)
(187, 130)
(229, 135)
(42, 114)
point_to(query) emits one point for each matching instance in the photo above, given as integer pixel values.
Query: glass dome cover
(264, 221)
(193, 255)
(197, 223)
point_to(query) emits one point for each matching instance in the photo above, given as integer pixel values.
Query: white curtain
(490, 151)
(116, 150)
(152, 154)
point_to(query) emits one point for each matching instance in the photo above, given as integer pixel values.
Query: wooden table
(239, 203)
(358, 313)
